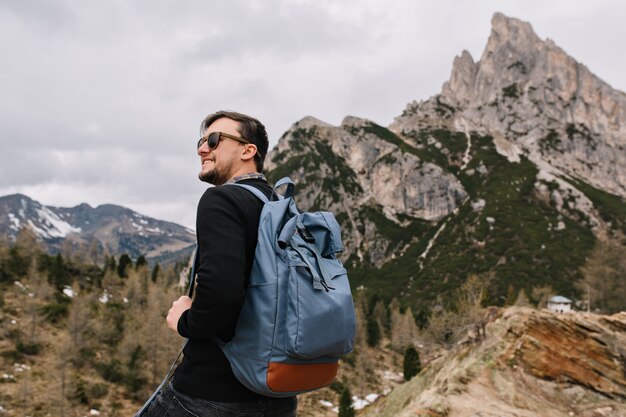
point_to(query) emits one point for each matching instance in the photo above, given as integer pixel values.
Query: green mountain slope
(505, 226)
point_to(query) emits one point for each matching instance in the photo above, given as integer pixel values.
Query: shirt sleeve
(219, 292)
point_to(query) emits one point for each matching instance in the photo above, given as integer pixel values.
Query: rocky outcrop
(580, 348)
(531, 363)
(386, 174)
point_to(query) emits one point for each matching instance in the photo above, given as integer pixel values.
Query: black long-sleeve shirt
(226, 227)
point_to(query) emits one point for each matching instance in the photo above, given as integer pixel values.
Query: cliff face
(375, 169)
(530, 93)
(366, 175)
(582, 349)
(531, 363)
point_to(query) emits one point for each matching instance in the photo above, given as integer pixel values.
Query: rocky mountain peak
(531, 93)
(16, 199)
(353, 121)
(512, 33)
(308, 122)
(461, 83)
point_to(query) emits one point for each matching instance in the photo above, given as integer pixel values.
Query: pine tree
(345, 404)
(412, 365)
(154, 275)
(110, 264)
(141, 261)
(16, 264)
(382, 317)
(373, 332)
(122, 266)
(134, 378)
(58, 274)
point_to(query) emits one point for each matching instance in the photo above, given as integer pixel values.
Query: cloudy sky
(100, 101)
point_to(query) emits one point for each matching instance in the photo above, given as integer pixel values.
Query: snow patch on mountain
(15, 222)
(50, 225)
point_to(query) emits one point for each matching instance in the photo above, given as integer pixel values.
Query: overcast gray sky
(100, 101)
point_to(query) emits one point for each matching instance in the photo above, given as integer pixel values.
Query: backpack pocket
(320, 311)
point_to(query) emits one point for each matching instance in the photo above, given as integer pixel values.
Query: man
(232, 149)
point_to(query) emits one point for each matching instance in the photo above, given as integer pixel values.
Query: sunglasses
(214, 139)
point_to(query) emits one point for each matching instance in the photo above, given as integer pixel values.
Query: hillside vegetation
(508, 225)
(78, 337)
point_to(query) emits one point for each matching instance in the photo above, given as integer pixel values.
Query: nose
(204, 149)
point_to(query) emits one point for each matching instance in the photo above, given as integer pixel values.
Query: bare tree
(360, 310)
(26, 240)
(39, 291)
(466, 317)
(541, 295)
(522, 299)
(78, 320)
(404, 331)
(604, 277)
(62, 359)
(161, 344)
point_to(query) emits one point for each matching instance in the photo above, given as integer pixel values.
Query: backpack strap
(254, 191)
(293, 224)
(281, 182)
(290, 186)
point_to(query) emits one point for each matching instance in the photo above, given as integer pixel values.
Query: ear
(249, 151)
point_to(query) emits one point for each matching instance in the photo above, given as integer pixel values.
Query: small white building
(559, 304)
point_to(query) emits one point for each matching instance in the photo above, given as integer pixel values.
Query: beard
(212, 177)
(215, 176)
(207, 176)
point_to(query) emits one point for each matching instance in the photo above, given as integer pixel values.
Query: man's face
(220, 164)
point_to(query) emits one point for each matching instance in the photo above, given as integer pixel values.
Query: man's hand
(178, 307)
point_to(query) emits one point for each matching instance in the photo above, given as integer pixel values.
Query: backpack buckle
(304, 232)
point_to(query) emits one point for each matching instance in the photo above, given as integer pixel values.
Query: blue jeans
(171, 403)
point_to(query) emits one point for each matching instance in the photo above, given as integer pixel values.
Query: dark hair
(251, 130)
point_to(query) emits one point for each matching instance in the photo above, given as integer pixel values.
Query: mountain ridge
(107, 229)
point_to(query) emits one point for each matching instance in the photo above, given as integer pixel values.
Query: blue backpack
(298, 316)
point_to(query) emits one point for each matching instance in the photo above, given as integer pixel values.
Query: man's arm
(221, 270)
